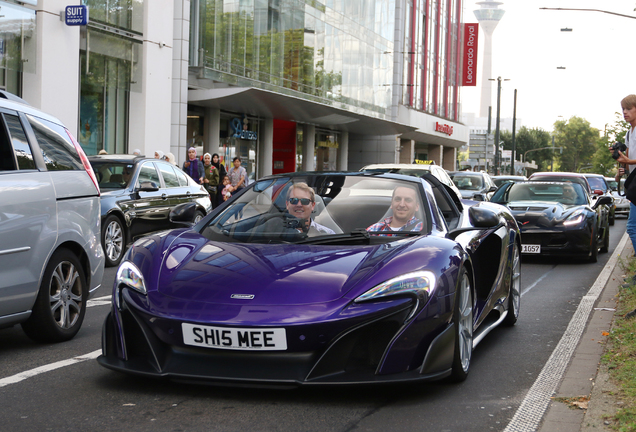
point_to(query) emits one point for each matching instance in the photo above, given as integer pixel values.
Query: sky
(528, 47)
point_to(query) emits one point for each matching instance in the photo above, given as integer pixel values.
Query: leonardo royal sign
(443, 128)
(469, 75)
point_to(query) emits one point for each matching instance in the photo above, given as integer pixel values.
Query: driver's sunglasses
(303, 201)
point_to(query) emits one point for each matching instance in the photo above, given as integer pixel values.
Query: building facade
(287, 85)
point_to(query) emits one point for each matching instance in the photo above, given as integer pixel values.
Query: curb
(582, 374)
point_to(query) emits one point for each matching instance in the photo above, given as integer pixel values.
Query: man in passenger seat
(404, 204)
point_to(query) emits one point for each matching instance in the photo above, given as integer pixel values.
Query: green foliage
(530, 139)
(602, 161)
(579, 141)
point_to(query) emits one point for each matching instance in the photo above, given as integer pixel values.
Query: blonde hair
(303, 187)
(628, 102)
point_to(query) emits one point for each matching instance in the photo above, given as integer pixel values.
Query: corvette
(257, 294)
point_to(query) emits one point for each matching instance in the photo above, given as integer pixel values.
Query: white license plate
(531, 249)
(232, 338)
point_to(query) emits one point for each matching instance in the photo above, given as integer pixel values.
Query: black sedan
(137, 195)
(557, 218)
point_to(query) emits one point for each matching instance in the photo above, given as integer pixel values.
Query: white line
(99, 301)
(530, 412)
(47, 368)
(536, 282)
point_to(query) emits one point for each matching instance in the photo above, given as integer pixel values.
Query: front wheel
(514, 294)
(463, 321)
(113, 240)
(60, 306)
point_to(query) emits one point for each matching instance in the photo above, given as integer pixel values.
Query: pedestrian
(136, 152)
(216, 161)
(193, 167)
(158, 154)
(628, 104)
(170, 158)
(102, 152)
(210, 177)
(237, 175)
(226, 193)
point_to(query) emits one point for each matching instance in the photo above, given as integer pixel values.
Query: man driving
(301, 201)
(404, 204)
(569, 195)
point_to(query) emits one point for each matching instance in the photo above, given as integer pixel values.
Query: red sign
(469, 75)
(444, 128)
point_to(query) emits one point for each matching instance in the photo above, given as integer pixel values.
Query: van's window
(21, 146)
(57, 149)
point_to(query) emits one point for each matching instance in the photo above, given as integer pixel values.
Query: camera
(618, 146)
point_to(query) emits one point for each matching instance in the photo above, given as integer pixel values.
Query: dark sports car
(307, 278)
(557, 218)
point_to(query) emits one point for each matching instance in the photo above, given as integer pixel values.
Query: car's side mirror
(480, 218)
(148, 187)
(603, 200)
(492, 189)
(184, 213)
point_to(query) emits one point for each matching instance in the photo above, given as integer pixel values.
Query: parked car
(474, 185)
(601, 187)
(252, 294)
(621, 203)
(137, 196)
(557, 218)
(417, 170)
(501, 179)
(51, 260)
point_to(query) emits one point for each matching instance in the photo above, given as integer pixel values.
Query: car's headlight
(575, 218)
(419, 285)
(129, 275)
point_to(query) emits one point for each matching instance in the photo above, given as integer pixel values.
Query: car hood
(194, 269)
(469, 193)
(541, 213)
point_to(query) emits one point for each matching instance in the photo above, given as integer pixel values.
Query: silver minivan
(51, 259)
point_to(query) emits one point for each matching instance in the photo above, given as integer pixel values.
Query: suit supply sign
(76, 15)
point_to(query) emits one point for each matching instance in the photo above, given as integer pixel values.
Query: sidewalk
(585, 381)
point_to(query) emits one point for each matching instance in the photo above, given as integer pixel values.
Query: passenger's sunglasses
(303, 201)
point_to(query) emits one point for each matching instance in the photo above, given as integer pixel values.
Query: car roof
(119, 158)
(558, 173)
(15, 105)
(424, 167)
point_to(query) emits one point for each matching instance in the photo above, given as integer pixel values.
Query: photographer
(629, 114)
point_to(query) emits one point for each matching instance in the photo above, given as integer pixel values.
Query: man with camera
(623, 157)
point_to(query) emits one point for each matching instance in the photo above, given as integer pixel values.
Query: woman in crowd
(210, 177)
(193, 166)
(216, 161)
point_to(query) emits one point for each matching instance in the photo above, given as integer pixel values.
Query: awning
(268, 104)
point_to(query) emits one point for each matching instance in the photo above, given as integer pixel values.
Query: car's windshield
(558, 178)
(113, 175)
(564, 193)
(289, 210)
(597, 183)
(613, 184)
(468, 181)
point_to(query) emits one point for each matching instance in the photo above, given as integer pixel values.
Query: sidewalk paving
(585, 378)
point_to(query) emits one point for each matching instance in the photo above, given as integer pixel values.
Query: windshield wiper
(359, 233)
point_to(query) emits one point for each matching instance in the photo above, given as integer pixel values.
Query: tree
(579, 141)
(529, 139)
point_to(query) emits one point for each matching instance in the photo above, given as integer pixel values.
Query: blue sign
(240, 130)
(76, 15)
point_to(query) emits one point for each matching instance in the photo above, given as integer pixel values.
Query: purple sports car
(318, 278)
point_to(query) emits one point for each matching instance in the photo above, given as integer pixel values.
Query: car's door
(178, 192)
(28, 219)
(152, 207)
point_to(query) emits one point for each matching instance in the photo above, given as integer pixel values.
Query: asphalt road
(41, 390)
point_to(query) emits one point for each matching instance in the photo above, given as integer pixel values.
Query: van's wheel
(60, 306)
(113, 240)
(463, 320)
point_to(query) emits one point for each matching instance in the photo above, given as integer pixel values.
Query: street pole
(497, 131)
(514, 127)
(487, 135)
(552, 157)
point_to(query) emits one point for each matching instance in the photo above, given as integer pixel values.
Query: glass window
(148, 173)
(169, 177)
(181, 176)
(57, 149)
(126, 14)
(20, 143)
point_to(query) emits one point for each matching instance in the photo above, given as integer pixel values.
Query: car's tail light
(87, 165)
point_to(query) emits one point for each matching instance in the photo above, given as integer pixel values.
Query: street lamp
(497, 128)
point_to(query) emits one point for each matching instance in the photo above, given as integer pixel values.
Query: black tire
(594, 249)
(463, 323)
(113, 240)
(514, 295)
(605, 247)
(60, 306)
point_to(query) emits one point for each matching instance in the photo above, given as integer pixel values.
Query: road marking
(99, 301)
(537, 281)
(47, 368)
(532, 408)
